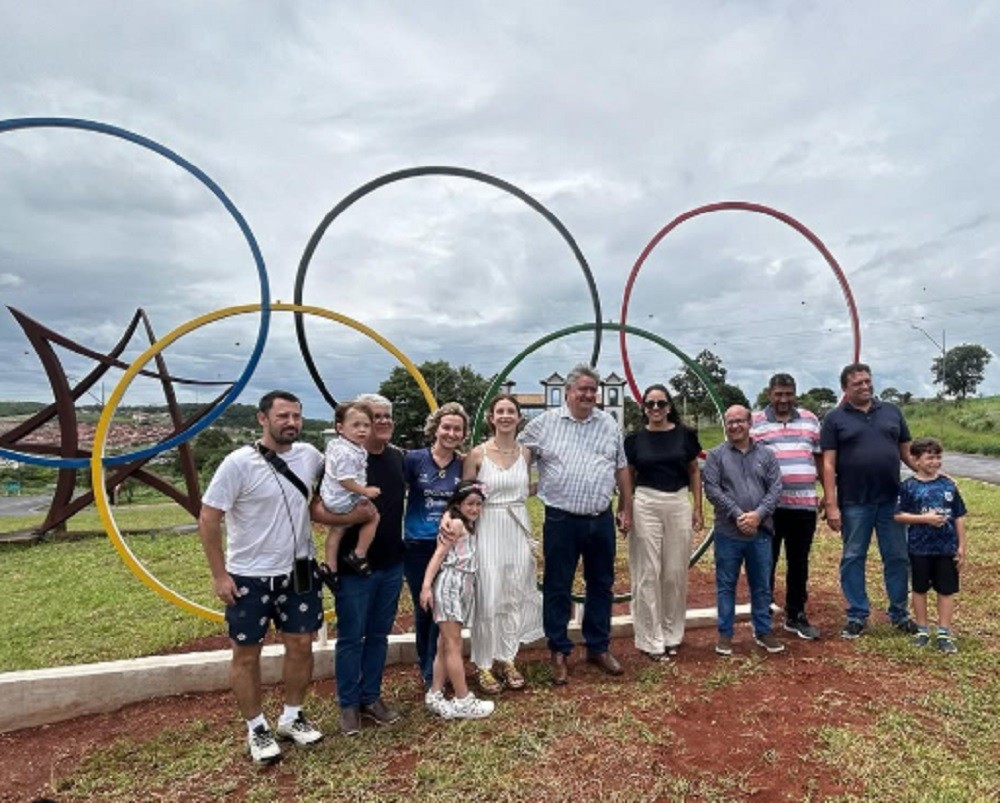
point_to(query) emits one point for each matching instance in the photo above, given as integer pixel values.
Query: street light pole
(944, 366)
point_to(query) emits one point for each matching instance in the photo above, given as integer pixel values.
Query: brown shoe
(606, 661)
(770, 642)
(560, 670)
(350, 721)
(380, 712)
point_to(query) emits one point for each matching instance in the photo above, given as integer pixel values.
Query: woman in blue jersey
(431, 476)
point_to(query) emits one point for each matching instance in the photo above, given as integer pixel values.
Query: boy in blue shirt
(932, 508)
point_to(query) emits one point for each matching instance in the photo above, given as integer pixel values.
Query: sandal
(358, 563)
(328, 576)
(487, 682)
(513, 678)
(657, 657)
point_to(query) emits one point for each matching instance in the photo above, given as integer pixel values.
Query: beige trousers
(659, 548)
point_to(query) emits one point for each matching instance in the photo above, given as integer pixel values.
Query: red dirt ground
(774, 713)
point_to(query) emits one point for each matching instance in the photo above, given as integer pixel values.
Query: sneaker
(488, 682)
(769, 642)
(800, 626)
(380, 712)
(471, 707)
(300, 730)
(907, 626)
(724, 646)
(263, 748)
(437, 704)
(946, 644)
(922, 639)
(852, 629)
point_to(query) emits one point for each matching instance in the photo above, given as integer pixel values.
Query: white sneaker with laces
(438, 704)
(300, 730)
(263, 748)
(471, 707)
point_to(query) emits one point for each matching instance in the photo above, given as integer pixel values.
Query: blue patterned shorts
(266, 599)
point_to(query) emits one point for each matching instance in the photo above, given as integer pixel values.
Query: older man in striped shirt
(580, 456)
(792, 433)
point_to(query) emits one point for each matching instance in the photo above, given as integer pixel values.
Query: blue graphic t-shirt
(429, 487)
(939, 495)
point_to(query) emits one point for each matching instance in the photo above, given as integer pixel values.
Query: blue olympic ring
(265, 293)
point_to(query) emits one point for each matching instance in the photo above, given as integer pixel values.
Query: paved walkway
(974, 466)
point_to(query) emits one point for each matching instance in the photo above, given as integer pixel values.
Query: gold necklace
(492, 444)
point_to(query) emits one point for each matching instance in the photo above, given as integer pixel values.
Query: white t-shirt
(345, 460)
(267, 518)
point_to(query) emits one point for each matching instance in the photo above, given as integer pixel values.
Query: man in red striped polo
(792, 433)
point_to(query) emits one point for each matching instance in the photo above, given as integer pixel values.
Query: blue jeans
(857, 522)
(418, 555)
(730, 553)
(366, 610)
(567, 538)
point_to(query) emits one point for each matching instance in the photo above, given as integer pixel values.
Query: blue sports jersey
(429, 487)
(939, 495)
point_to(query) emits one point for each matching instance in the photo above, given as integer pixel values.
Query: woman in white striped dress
(508, 602)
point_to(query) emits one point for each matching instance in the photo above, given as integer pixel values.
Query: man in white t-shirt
(268, 572)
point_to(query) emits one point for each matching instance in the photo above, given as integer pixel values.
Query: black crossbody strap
(282, 468)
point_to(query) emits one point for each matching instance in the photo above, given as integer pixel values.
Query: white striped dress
(508, 602)
(455, 584)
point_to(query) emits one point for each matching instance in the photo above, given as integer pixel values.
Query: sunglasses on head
(656, 404)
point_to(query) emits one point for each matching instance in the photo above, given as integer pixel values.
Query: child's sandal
(358, 563)
(329, 577)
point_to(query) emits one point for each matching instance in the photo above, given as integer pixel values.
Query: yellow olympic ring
(104, 424)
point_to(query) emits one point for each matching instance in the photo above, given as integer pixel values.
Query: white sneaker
(300, 730)
(471, 707)
(263, 748)
(438, 704)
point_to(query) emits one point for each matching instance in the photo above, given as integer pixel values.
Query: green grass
(74, 601)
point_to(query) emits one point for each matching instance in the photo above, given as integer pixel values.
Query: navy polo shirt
(867, 446)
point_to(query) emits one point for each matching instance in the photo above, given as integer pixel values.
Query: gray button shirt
(740, 482)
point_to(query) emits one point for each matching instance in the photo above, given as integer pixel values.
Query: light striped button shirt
(577, 460)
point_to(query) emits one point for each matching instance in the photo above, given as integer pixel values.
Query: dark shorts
(934, 571)
(271, 599)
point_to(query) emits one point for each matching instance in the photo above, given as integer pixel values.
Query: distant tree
(763, 398)
(961, 369)
(633, 416)
(890, 394)
(210, 448)
(731, 395)
(447, 383)
(690, 390)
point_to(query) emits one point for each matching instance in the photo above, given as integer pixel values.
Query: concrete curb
(43, 696)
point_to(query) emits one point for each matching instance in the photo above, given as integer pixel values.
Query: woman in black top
(663, 458)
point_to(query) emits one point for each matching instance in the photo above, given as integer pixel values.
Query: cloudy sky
(873, 124)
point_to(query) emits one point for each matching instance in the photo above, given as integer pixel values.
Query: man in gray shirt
(742, 480)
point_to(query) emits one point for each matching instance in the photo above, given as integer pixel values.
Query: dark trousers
(417, 556)
(366, 611)
(567, 538)
(794, 528)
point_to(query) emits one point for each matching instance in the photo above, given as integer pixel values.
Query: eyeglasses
(382, 417)
(656, 404)
(737, 422)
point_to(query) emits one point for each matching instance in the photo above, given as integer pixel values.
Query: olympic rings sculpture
(415, 172)
(98, 462)
(744, 207)
(265, 293)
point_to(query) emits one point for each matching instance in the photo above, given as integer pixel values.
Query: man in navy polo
(863, 441)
